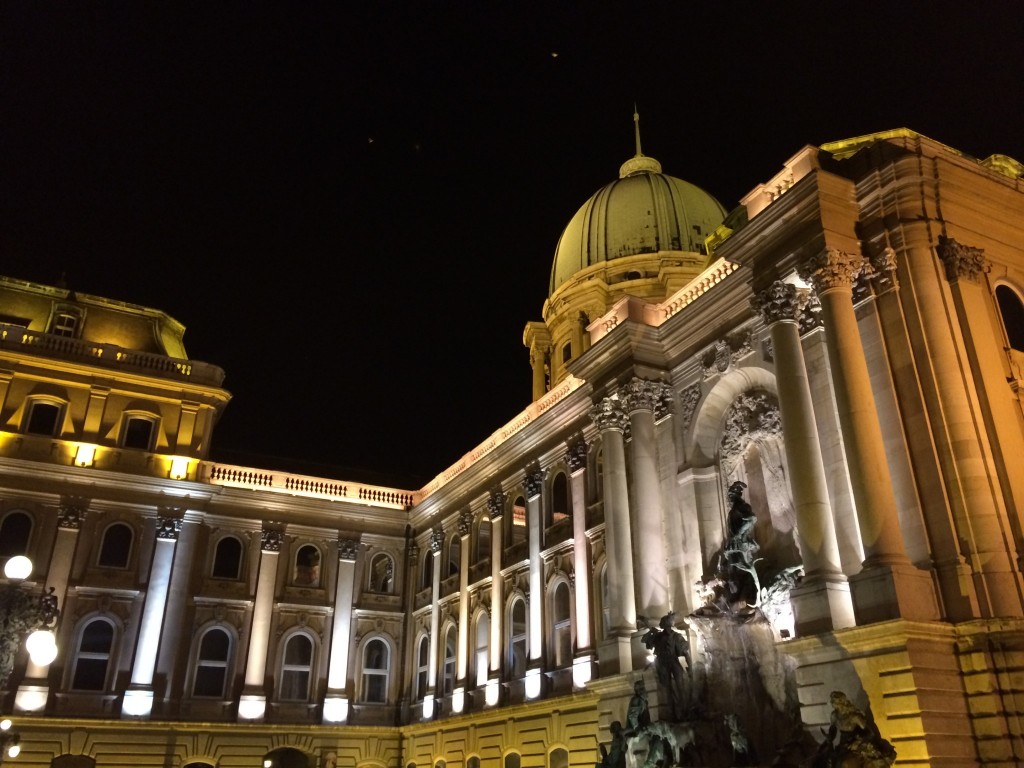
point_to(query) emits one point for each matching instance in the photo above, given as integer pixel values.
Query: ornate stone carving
(534, 482)
(465, 524)
(436, 539)
(576, 456)
(663, 405)
(413, 551)
(688, 400)
(810, 314)
(639, 395)
(962, 261)
(883, 269)
(752, 415)
(778, 302)
(768, 350)
(270, 540)
(70, 512)
(168, 527)
(831, 269)
(725, 353)
(348, 549)
(609, 415)
(496, 503)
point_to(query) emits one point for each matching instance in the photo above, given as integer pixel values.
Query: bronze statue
(852, 739)
(668, 645)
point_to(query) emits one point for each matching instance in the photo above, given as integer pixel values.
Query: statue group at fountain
(735, 592)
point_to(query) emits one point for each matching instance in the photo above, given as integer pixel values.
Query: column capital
(168, 526)
(779, 302)
(962, 261)
(640, 395)
(465, 523)
(609, 415)
(70, 512)
(534, 482)
(348, 549)
(271, 539)
(883, 269)
(832, 269)
(436, 540)
(576, 456)
(496, 503)
(413, 551)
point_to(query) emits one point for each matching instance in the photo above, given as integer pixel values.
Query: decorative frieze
(609, 415)
(348, 549)
(962, 261)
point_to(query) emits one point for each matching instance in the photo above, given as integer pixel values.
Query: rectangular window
(567, 352)
(65, 324)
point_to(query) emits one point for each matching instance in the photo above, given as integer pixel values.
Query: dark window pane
(42, 419)
(294, 685)
(227, 560)
(14, 532)
(138, 433)
(117, 544)
(209, 682)
(97, 638)
(215, 646)
(299, 651)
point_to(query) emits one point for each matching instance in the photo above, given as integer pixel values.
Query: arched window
(606, 605)
(1012, 311)
(454, 554)
(116, 548)
(427, 570)
(227, 559)
(43, 417)
(211, 669)
(422, 667)
(296, 667)
(481, 655)
(473, 762)
(448, 668)
(382, 574)
(517, 521)
(376, 663)
(517, 638)
(92, 657)
(307, 567)
(15, 530)
(558, 758)
(560, 505)
(512, 760)
(138, 432)
(561, 616)
(483, 541)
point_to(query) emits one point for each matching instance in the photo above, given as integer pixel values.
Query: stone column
(583, 663)
(34, 691)
(639, 398)
(611, 419)
(888, 586)
(822, 602)
(534, 485)
(138, 699)
(465, 527)
(495, 509)
(996, 447)
(252, 704)
(336, 702)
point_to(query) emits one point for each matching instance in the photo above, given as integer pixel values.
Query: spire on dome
(638, 163)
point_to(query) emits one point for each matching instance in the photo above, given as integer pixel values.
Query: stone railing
(303, 485)
(18, 338)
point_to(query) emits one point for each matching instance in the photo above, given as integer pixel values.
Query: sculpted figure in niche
(739, 555)
(853, 739)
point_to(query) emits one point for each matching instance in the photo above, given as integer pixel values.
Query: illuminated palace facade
(848, 342)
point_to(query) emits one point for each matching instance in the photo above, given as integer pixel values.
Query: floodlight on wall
(179, 468)
(458, 699)
(533, 683)
(251, 707)
(335, 709)
(428, 706)
(491, 692)
(85, 455)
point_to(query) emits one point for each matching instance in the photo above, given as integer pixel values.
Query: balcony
(16, 338)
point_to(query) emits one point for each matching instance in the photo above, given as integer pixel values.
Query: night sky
(354, 211)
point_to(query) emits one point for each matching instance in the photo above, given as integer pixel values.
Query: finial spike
(636, 130)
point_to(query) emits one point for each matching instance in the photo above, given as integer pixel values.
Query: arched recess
(560, 610)
(287, 757)
(15, 533)
(1011, 311)
(481, 647)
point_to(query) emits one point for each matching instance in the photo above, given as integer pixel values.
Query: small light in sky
(554, 54)
(369, 139)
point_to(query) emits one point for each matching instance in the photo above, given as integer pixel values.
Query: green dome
(644, 211)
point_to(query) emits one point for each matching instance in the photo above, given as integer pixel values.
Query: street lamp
(24, 613)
